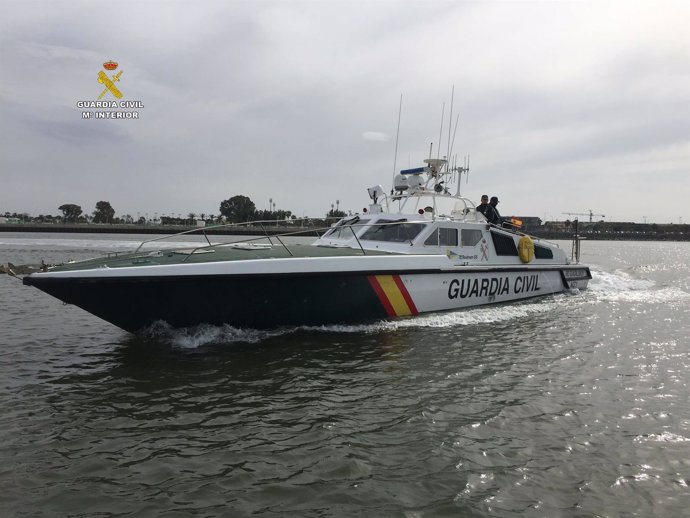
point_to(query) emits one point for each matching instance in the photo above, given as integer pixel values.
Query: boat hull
(300, 299)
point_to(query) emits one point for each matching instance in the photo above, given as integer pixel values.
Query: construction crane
(590, 214)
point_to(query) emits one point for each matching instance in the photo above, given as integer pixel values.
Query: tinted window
(447, 237)
(470, 237)
(344, 228)
(392, 231)
(443, 237)
(541, 252)
(432, 240)
(504, 245)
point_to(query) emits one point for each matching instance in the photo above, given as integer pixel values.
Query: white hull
(411, 294)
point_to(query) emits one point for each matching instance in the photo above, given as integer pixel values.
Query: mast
(440, 132)
(450, 123)
(397, 136)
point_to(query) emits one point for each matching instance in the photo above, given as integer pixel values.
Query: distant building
(558, 225)
(5, 220)
(528, 222)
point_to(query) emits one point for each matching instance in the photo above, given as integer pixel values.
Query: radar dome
(400, 183)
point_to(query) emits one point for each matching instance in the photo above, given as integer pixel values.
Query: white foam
(465, 317)
(617, 281)
(206, 334)
(621, 286)
(604, 286)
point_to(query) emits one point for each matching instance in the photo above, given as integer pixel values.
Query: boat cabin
(467, 241)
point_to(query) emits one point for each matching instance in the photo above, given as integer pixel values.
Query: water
(574, 405)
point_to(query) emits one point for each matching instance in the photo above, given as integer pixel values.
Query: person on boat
(489, 211)
(495, 216)
(484, 204)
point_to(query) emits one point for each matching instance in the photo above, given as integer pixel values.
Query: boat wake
(207, 334)
(619, 286)
(604, 287)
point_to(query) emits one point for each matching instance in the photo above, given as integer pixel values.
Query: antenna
(455, 163)
(397, 136)
(450, 122)
(457, 119)
(440, 133)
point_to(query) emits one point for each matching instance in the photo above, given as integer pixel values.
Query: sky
(563, 106)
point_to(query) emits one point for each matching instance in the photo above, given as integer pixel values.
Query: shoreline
(310, 231)
(251, 230)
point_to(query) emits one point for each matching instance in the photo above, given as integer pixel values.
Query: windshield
(344, 229)
(396, 231)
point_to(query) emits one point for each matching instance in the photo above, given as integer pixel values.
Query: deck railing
(318, 232)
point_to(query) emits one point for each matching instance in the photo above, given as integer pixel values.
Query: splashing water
(207, 334)
(620, 286)
(604, 287)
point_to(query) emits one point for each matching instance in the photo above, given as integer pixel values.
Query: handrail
(357, 239)
(294, 233)
(259, 238)
(166, 237)
(284, 246)
(203, 230)
(301, 231)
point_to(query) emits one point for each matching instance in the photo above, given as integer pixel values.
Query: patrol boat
(418, 249)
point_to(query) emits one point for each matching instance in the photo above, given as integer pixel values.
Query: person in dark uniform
(484, 205)
(495, 218)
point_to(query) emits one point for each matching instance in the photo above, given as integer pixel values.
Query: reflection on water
(574, 405)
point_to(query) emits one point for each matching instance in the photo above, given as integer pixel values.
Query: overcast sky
(565, 106)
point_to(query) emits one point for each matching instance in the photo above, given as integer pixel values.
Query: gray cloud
(563, 105)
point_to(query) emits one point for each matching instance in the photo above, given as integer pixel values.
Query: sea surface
(572, 405)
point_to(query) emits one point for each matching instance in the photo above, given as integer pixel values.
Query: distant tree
(335, 213)
(237, 209)
(104, 212)
(263, 215)
(70, 211)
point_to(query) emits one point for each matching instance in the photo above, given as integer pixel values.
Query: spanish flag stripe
(373, 280)
(390, 296)
(396, 299)
(406, 294)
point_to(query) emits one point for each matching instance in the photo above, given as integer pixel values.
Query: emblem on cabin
(484, 249)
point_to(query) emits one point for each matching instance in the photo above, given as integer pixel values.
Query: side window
(443, 237)
(432, 240)
(447, 237)
(470, 237)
